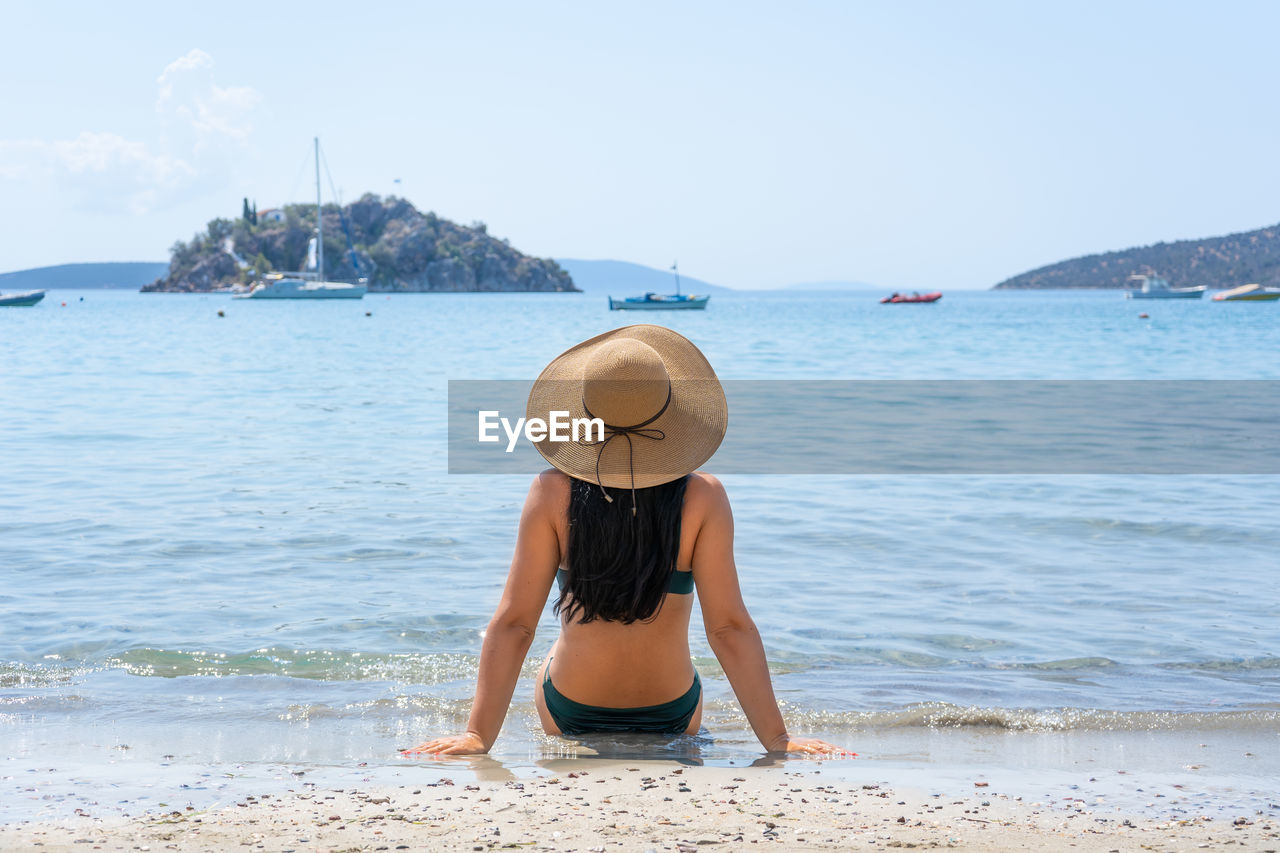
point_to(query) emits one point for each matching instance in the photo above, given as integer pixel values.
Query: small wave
(960, 642)
(393, 707)
(1063, 665)
(26, 675)
(943, 715)
(34, 702)
(321, 665)
(1240, 665)
(1196, 533)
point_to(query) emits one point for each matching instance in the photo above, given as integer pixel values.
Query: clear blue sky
(908, 144)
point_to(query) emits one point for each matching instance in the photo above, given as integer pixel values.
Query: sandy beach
(642, 806)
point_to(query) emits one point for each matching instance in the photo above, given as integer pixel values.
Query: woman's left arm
(511, 630)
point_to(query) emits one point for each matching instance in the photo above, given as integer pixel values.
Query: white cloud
(103, 171)
(189, 91)
(106, 161)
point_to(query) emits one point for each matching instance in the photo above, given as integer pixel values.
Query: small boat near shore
(19, 300)
(1248, 293)
(659, 301)
(911, 299)
(1154, 287)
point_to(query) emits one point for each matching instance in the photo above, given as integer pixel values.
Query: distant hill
(1250, 256)
(389, 242)
(129, 275)
(620, 278)
(832, 285)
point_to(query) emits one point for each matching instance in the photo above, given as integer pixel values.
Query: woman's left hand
(809, 746)
(468, 743)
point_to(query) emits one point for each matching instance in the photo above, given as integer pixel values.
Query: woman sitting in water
(628, 529)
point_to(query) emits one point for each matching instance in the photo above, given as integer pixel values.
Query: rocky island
(387, 241)
(1249, 256)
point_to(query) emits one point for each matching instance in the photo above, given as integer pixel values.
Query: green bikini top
(681, 582)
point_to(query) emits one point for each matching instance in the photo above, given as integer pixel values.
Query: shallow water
(233, 539)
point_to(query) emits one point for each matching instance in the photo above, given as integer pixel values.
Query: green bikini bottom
(574, 718)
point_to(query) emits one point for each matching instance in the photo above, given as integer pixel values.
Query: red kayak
(915, 297)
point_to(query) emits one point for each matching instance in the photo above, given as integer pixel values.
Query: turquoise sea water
(233, 539)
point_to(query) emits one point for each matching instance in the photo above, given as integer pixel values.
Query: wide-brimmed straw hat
(663, 408)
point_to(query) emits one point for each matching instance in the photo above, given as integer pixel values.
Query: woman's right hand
(809, 746)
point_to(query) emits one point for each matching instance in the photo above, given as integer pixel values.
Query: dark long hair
(620, 564)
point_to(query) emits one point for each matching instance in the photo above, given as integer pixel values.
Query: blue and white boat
(660, 301)
(657, 302)
(15, 300)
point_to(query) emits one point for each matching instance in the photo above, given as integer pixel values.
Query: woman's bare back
(614, 665)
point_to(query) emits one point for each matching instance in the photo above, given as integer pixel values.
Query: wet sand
(641, 806)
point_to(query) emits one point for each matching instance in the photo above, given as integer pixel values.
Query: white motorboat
(307, 285)
(1154, 287)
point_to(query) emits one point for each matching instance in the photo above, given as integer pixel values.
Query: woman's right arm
(732, 634)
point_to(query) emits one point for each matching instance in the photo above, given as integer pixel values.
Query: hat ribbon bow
(640, 430)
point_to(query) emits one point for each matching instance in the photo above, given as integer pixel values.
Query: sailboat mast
(319, 220)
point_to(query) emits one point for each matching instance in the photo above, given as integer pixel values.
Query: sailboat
(660, 302)
(307, 285)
